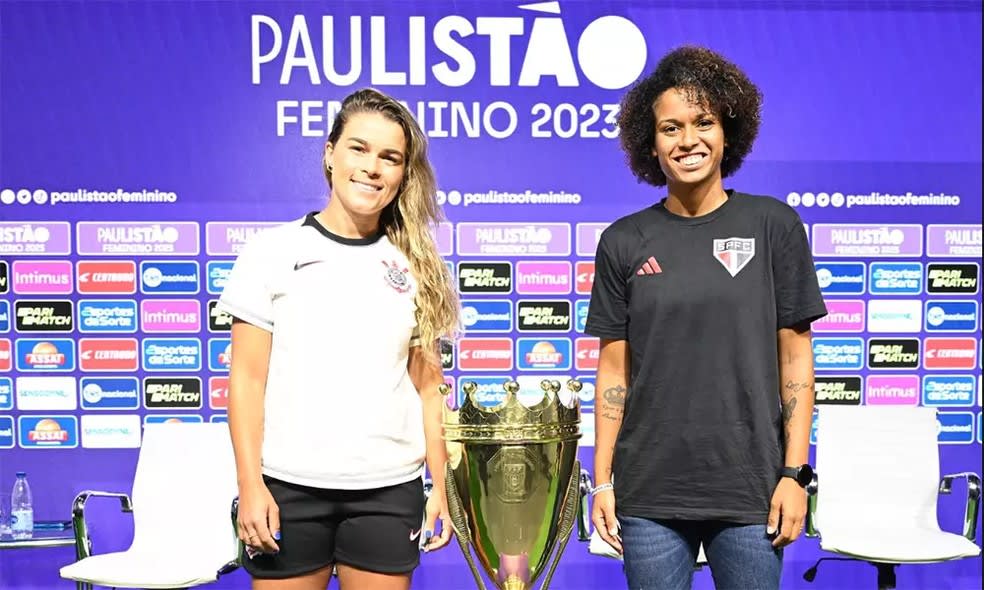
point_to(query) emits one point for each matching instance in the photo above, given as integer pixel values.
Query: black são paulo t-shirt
(699, 301)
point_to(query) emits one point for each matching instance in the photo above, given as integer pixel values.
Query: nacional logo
(952, 278)
(43, 316)
(838, 390)
(543, 353)
(4, 316)
(488, 315)
(484, 277)
(172, 392)
(7, 432)
(110, 393)
(955, 428)
(169, 278)
(840, 278)
(734, 254)
(951, 316)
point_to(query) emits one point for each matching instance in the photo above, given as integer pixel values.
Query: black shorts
(376, 530)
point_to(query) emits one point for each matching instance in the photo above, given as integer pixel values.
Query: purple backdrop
(142, 142)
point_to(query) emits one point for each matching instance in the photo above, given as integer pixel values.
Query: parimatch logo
(832, 390)
(218, 320)
(484, 277)
(893, 353)
(544, 316)
(4, 277)
(172, 392)
(43, 316)
(952, 278)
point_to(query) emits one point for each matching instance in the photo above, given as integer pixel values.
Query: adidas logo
(649, 267)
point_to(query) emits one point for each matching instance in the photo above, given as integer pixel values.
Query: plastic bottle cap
(21, 474)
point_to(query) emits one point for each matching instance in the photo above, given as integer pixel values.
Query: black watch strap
(801, 475)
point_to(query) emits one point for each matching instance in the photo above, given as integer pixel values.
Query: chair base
(886, 571)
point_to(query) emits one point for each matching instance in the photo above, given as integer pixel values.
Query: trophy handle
(583, 512)
(567, 517)
(460, 523)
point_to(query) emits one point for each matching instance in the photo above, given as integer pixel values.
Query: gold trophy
(512, 482)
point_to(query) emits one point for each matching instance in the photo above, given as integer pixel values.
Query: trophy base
(515, 583)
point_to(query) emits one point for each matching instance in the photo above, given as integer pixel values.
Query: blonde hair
(411, 217)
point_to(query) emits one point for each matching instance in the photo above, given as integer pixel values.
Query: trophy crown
(550, 418)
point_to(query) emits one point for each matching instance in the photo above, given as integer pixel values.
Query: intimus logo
(610, 51)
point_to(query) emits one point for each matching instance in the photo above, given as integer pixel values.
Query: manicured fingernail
(770, 530)
(428, 535)
(276, 536)
(613, 532)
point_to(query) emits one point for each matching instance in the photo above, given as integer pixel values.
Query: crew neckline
(660, 208)
(311, 220)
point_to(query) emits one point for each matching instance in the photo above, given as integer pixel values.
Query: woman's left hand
(437, 509)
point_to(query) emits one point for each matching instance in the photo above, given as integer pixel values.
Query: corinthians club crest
(396, 277)
(734, 253)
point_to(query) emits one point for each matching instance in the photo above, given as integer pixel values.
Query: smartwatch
(802, 475)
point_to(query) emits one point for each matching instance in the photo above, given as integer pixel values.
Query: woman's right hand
(258, 518)
(603, 518)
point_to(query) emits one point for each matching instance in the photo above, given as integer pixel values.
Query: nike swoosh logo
(302, 263)
(414, 535)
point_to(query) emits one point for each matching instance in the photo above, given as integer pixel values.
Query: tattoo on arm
(788, 407)
(614, 404)
(796, 387)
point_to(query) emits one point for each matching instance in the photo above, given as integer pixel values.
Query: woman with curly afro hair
(703, 304)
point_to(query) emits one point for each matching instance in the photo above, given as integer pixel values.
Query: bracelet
(602, 488)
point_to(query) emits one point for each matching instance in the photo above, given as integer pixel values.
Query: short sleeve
(798, 297)
(247, 294)
(608, 310)
(415, 337)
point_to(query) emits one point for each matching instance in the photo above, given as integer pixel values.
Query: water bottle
(21, 509)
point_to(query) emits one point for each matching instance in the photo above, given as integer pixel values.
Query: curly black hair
(706, 78)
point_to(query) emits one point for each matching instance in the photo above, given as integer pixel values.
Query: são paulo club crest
(396, 277)
(734, 253)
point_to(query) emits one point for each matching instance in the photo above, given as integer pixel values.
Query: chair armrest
(583, 513)
(973, 506)
(234, 564)
(83, 544)
(811, 507)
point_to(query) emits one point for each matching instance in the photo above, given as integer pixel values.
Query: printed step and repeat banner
(142, 144)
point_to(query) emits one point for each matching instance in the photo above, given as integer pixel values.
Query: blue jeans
(660, 555)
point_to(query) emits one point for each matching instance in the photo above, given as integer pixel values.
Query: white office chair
(183, 535)
(876, 486)
(597, 545)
